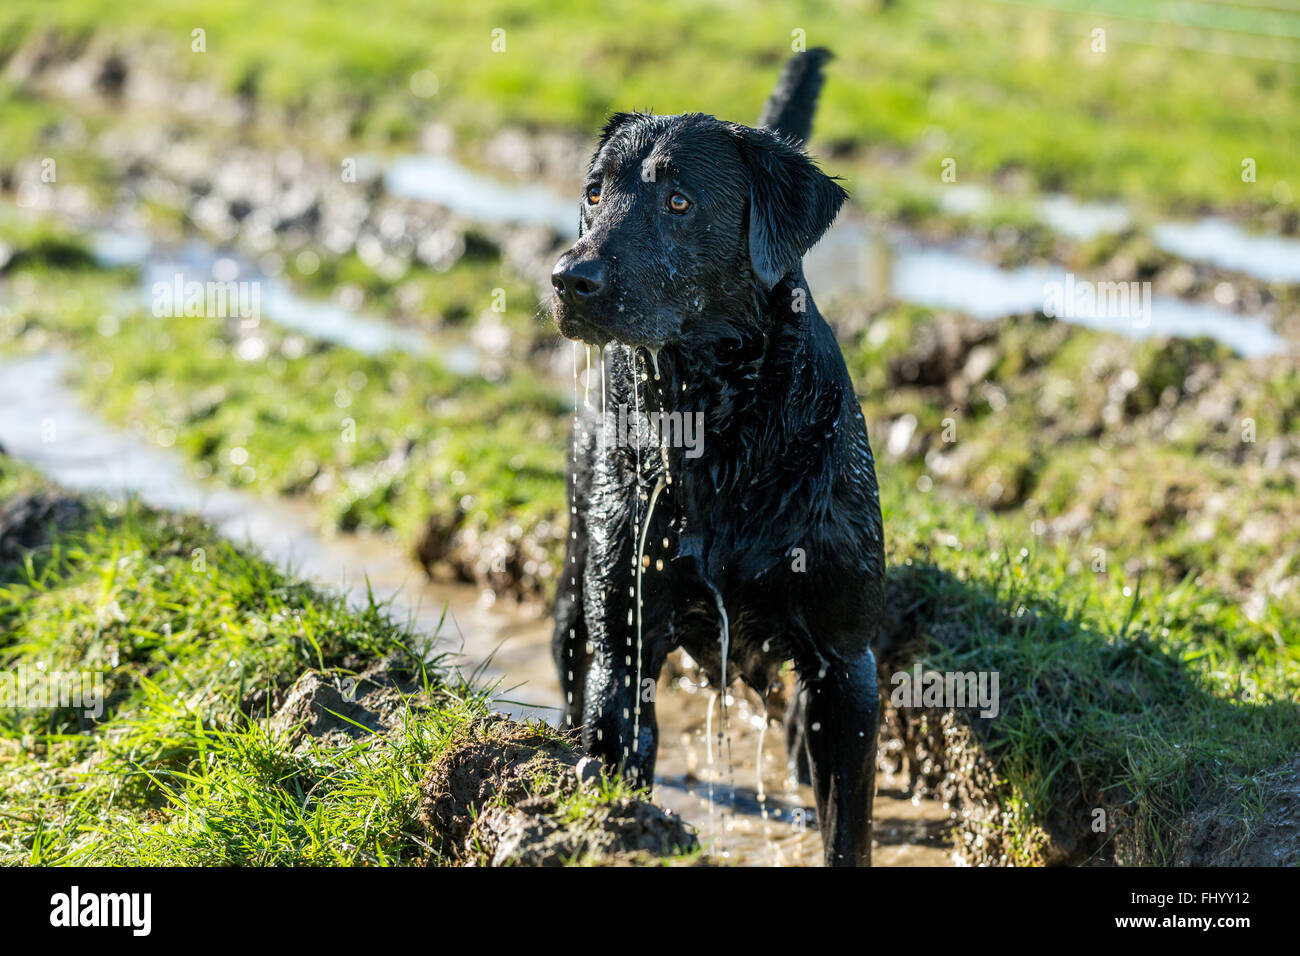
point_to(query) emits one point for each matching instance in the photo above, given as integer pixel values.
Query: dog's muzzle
(578, 285)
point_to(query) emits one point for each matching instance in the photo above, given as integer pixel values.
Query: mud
(508, 561)
(1219, 836)
(336, 709)
(1144, 445)
(495, 798)
(624, 833)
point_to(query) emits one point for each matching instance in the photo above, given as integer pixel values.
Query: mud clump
(1219, 836)
(952, 353)
(626, 832)
(335, 710)
(498, 760)
(507, 794)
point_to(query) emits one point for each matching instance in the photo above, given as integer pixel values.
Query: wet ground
(745, 807)
(856, 260)
(41, 422)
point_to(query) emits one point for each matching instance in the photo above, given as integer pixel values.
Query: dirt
(336, 709)
(504, 560)
(495, 798)
(1219, 836)
(626, 832)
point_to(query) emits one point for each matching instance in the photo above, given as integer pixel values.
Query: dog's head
(682, 219)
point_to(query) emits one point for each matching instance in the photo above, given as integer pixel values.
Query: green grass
(177, 770)
(183, 625)
(1164, 117)
(1155, 452)
(382, 442)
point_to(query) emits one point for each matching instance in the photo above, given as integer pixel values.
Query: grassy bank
(1017, 92)
(223, 737)
(465, 470)
(1149, 707)
(1138, 736)
(1172, 458)
(1140, 686)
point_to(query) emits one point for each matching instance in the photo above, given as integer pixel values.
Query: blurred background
(285, 264)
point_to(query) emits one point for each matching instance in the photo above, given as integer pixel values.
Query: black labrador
(758, 540)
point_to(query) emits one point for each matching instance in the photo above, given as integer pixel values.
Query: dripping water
(640, 570)
(600, 357)
(573, 516)
(760, 793)
(586, 381)
(724, 730)
(708, 752)
(636, 523)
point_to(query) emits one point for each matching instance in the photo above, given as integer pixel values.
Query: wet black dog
(758, 540)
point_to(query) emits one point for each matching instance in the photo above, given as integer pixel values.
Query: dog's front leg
(841, 716)
(618, 716)
(569, 641)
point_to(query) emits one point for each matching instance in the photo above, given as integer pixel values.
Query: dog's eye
(593, 194)
(678, 203)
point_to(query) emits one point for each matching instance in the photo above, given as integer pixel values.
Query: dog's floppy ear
(791, 202)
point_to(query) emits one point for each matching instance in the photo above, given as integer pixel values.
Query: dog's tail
(789, 110)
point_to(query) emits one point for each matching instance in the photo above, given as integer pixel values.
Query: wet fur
(786, 466)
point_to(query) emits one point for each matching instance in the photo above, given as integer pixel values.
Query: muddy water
(1227, 245)
(851, 260)
(42, 423)
(197, 261)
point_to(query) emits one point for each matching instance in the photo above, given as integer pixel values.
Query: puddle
(509, 644)
(1228, 246)
(780, 829)
(1216, 241)
(943, 278)
(1083, 220)
(1075, 218)
(442, 180)
(850, 260)
(197, 261)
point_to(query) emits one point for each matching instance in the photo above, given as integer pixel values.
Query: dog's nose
(577, 280)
